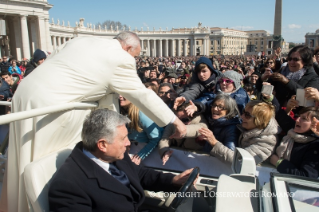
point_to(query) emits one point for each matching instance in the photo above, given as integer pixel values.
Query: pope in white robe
(86, 69)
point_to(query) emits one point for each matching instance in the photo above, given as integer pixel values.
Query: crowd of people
(265, 104)
(221, 101)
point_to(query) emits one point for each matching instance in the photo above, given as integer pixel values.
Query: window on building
(212, 42)
(218, 42)
(196, 42)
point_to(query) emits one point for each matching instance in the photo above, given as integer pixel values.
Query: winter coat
(225, 131)
(29, 68)
(17, 70)
(188, 142)
(260, 143)
(5, 91)
(197, 87)
(5, 66)
(285, 91)
(304, 159)
(241, 97)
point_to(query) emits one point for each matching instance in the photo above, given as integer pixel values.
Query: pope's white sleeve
(126, 82)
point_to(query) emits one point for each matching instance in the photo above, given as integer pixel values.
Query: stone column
(33, 32)
(205, 47)
(142, 45)
(58, 41)
(160, 48)
(25, 37)
(54, 42)
(148, 52)
(42, 34)
(63, 40)
(16, 38)
(155, 52)
(178, 47)
(166, 47)
(173, 47)
(192, 46)
(47, 37)
(185, 47)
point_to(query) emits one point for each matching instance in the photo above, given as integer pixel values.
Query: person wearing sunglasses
(297, 154)
(230, 84)
(191, 140)
(259, 133)
(298, 74)
(140, 129)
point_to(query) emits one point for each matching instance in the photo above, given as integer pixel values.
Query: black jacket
(284, 92)
(6, 92)
(5, 66)
(197, 87)
(82, 185)
(29, 68)
(304, 160)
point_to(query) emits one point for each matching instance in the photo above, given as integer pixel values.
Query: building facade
(312, 39)
(28, 27)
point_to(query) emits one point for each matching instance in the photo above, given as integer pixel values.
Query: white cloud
(294, 26)
(145, 24)
(314, 26)
(242, 27)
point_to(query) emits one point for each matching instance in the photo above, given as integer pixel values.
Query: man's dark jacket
(29, 68)
(82, 185)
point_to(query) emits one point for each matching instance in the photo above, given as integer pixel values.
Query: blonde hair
(262, 112)
(133, 115)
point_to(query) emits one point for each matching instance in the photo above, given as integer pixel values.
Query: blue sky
(299, 16)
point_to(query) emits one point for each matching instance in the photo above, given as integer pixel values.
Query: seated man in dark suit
(100, 176)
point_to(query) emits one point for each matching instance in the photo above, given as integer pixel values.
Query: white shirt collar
(102, 164)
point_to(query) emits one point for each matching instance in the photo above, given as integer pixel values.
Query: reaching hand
(180, 129)
(292, 104)
(166, 156)
(182, 178)
(179, 101)
(136, 159)
(315, 126)
(191, 109)
(279, 77)
(312, 93)
(208, 135)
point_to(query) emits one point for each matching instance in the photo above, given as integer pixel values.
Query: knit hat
(39, 55)
(233, 75)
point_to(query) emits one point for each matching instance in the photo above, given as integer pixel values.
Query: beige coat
(189, 141)
(259, 143)
(86, 69)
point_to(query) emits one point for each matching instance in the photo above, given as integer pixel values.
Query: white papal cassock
(86, 69)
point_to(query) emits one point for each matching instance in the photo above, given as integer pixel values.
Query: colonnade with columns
(158, 47)
(58, 40)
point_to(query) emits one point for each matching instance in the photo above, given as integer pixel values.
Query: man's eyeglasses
(247, 115)
(219, 107)
(225, 80)
(294, 59)
(164, 93)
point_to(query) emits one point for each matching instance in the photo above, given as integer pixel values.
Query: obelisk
(277, 25)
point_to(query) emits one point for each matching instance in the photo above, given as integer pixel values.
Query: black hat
(39, 55)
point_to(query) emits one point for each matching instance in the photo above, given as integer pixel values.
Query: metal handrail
(5, 119)
(5, 103)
